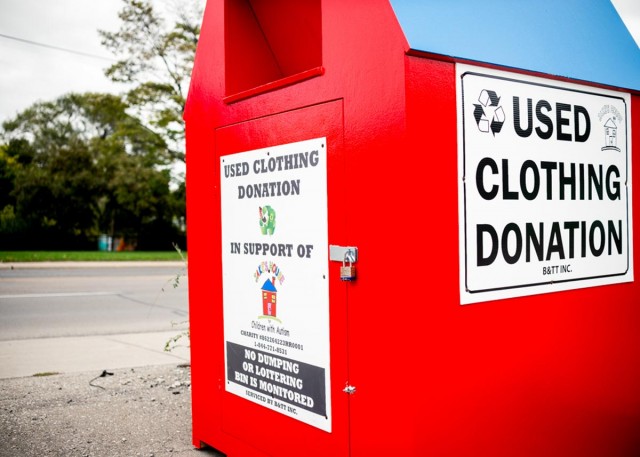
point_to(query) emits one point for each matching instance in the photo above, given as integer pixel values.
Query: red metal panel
(269, 40)
(204, 262)
(249, 59)
(244, 423)
(357, 54)
(554, 374)
(294, 31)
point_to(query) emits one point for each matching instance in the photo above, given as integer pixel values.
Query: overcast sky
(629, 10)
(30, 72)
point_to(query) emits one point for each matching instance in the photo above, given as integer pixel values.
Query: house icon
(269, 297)
(610, 136)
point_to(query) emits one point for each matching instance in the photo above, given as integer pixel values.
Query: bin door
(284, 306)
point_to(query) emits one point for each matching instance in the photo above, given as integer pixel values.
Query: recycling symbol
(489, 114)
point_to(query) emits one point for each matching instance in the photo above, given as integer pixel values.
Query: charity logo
(267, 220)
(269, 297)
(488, 114)
(610, 118)
(274, 278)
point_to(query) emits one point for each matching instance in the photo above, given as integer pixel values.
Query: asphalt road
(62, 301)
(72, 317)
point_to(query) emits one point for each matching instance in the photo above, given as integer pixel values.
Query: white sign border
(318, 331)
(513, 291)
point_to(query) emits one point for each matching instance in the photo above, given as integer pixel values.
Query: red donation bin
(412, 228)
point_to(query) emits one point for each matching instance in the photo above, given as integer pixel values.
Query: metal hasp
(343, 253)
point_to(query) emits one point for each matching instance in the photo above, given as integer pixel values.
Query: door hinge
(349, 389)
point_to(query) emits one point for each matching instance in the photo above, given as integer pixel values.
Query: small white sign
(544, 185)
(275, 279)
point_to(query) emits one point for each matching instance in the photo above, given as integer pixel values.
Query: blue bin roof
(579, 39)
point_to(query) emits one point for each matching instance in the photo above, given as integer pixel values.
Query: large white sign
(544, 172)
(275, 278)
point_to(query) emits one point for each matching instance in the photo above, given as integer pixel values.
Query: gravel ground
(132, 412)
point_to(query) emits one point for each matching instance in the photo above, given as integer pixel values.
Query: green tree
(13, 157)
(155, 60)
(54, 190)
(79, 166)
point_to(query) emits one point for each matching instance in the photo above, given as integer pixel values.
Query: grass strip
(87, 256)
